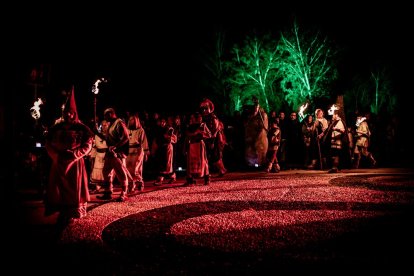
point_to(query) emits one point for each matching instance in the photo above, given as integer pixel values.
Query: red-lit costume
(273, 136)
(138, 152)
(98, 156)
(67, 143)
(215, 145)
(197, 161)
(362, 142)
(256, 141)
(164, 153)
(115, 159)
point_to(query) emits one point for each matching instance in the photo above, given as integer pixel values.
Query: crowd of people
(88, 159)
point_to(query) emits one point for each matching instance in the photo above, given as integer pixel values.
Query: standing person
(319, 150)
(283, 139)
(362, 142)
(294, 142)
(335, 133)
(308, 134)
(256, 136)
(138, 152)
(67, 143)
(115, 159)
(98, 158)
(197, 161)
(215, 145)
(274, 136)
(164, 152)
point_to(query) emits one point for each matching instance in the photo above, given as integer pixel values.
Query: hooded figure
(70, 106)
(206, 107)
(67, 142)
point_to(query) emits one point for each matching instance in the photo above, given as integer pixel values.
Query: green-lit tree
(306, 66)
(382, 96)
(372, 91)
(357, 97)
(253, 71)
(214, 63)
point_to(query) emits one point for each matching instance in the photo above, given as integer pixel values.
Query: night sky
(151, 56)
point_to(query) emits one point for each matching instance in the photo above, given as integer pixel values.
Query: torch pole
(94, 110)
(319, 149)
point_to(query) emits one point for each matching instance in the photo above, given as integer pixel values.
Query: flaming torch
(360, 120)
(95, 91)
(332, 109)
(302, 109)
(35, 109)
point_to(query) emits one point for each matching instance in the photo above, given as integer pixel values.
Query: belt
(135, 146)
(102, 150)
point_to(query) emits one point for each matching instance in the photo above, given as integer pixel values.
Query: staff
(319, 148)
(95, 91)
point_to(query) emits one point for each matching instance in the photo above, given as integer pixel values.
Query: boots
(132, 187)
(105, 196)
(324, 163)
(335, 163)
(159, 181)
(207, 179)
(269, 167)
(123, 197)
(313, 165)
(140, 186)
(189, 181)
(220, 167)
(108, 189)
(136, 186)
(94, 188)
(357, 159)
(173, 178)
(276, 168)
(372, 160)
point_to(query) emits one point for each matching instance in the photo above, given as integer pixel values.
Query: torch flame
(302, 110)
(360, 120)
(95, 88)
(35, 109)
(332, 109)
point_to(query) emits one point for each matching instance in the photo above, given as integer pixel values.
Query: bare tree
(214, 62)
(357, 97)
(383, 96)
(372, 92)
(306, 66)
(253, 70)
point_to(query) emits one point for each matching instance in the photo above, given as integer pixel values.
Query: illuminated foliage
(382, 96)
(214, 63)
(373, 92)
(253, 71)
(357, 98)
(306, 66)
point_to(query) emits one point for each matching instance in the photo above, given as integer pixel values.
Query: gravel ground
(243, 224)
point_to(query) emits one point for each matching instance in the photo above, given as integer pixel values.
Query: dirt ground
(241, 224)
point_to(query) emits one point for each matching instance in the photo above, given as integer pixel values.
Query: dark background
(151, 54)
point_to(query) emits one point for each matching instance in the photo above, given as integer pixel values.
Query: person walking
(363, 135)
(67, 143)
(115, 159)
(138, 152)
(197, 161)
